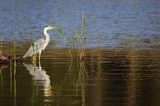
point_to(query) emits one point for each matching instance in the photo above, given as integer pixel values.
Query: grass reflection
(76, 78)
(14, 83)
(82, 80)
(1, 76)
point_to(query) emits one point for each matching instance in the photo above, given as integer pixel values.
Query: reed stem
(14, 48)
(1, 44)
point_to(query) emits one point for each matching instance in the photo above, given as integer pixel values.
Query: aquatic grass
(1, 45)
(83, 26)
(80, 38)
(35, 90)
(1, 75)
(14, 70)
(15, 83)
(34, 56)
(79, 44)
(82, 70)
(77, 38)
(11, 75)
(64, 36)
(68, 46)
(14, 48)
(70, 52)
(82, 80)
(83, 32)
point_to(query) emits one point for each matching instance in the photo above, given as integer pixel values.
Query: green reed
(14, 48)
(83, 26)
(34, 56)
(14, 70)
(63, 35)
(1, 44)
(77, 38)
(80, 37)
(34, 47)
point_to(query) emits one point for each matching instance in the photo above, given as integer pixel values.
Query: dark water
(121, 66)
(109, 23)
(102, 78)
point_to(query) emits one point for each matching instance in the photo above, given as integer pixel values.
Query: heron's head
(50, 27)
(55, 27)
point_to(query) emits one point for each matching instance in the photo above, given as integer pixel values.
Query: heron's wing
(39, 45)
(35, 48)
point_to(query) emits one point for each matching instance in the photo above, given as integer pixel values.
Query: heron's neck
(46, 35)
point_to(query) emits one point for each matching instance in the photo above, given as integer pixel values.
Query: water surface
(103, 77)
(121, 66)
(109, 23)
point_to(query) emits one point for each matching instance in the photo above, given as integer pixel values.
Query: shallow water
(103, 77)
(121, 66)
(109, 23)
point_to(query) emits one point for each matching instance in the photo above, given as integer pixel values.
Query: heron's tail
(25, 56)
(28, 53)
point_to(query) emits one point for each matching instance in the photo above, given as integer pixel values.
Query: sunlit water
(109, 23)
(121, 66)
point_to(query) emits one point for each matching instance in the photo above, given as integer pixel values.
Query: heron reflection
(40, 76)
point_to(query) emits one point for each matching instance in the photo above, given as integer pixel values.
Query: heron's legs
(39, 59)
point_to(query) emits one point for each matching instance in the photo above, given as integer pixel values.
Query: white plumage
(35, 48)
(40, 44)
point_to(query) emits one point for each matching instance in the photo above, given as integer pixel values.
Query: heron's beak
(53, 27)
(58, 29)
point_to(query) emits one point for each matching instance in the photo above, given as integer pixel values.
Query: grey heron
(40, 44)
